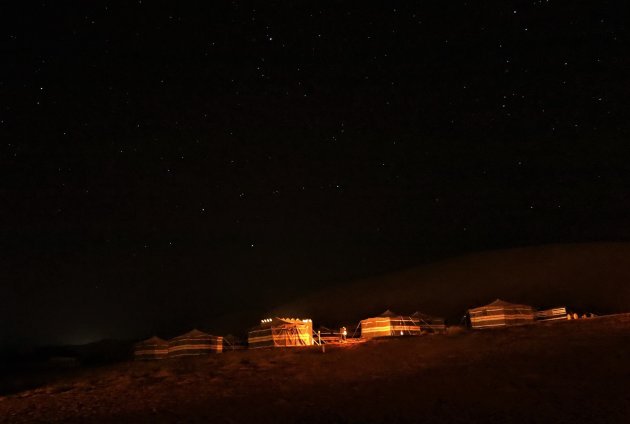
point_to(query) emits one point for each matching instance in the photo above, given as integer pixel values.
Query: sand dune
(590, 277)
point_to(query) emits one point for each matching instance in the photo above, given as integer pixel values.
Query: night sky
(164, 165)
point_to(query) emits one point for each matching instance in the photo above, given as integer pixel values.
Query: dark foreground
(570, 371)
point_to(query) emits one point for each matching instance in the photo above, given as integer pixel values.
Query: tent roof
(193, 333)
(499, 302)
(421, 315)
(292, 320)
(153, 340)
(275, 321)
(390, 314)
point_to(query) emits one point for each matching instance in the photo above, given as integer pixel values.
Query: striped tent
(552, 314)
(153, 348)
(500, 314)
(194, 342)
(429, 323)
(390, 324)
(281, 332)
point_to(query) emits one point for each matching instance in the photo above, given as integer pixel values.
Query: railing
(334, 338)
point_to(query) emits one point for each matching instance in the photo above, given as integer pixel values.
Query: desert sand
(560, 372)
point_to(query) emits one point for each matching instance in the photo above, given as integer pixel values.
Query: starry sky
(167, 164)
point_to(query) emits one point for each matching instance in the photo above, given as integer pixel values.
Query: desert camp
(296, 332)
(283, 355)
(390, 324)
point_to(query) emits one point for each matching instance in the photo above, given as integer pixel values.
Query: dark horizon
(167, 165)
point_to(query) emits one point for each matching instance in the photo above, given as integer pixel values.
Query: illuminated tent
(194, 342)
(281, 332)
(153, 348)
(390, 324)
(499, 314)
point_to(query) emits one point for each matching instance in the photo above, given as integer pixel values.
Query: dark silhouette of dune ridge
(590, 276)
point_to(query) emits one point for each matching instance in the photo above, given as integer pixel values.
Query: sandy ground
(562, 372)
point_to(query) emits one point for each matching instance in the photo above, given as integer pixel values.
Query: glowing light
(305, 320)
